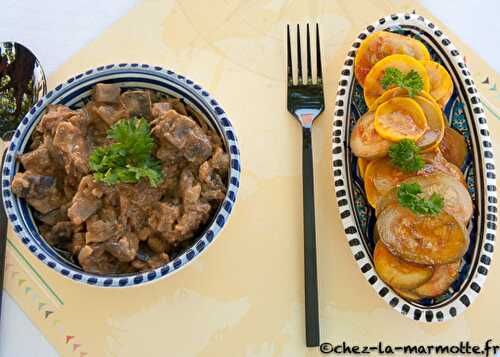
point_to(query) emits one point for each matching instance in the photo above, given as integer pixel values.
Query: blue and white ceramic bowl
(463, 112)
(74, 92)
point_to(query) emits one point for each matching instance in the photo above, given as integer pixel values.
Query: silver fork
(305, 101)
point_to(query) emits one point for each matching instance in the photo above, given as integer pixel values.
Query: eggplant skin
(457, 200)
(443, 277)
(365, 141)
(454, 147)
(421, 239)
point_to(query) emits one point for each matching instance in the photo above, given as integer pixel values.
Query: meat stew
(120, 220)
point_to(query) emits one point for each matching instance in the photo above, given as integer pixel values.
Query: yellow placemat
(244, 296)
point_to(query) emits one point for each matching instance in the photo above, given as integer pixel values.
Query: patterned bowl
(465, 113)
(74, 92)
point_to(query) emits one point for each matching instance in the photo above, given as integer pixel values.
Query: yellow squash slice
(362, 164)
(440, 79)
(372, 86)
(396, 92)
(398, 273)
(380, 177)
(444, 100)
(435, 123)
(400, 118)
(407, 294)
(382, 44)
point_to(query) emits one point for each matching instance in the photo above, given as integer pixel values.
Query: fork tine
(318, 55)
(299, 57)
(309, 71)
(289, 54)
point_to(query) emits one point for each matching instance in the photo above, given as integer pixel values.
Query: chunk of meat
(52, 217)
(60, 234)
(110, 114)
(141, 193)
(54, 115)
(106, 93)
(169, 154)
(189, 188)
(98, 128)
(100, 231)
(132, 214)
(55, 154)
(158, 260)
(163, 216)
(195, 211)
(215, 139)
(190, 222)
(95, 259)
(191, 195)
(147, 259)
(36, 140)
(220, 160)
(81, 120)
(157, 244)
(158, 109)
(213, 186)
(144, 233)
(107, 212)
(135, 202)
(137, 103)
(82, 208)
(178, 105)
(41, 192)
(77, 243)
(124, 249)
(84, 204)
(39, 161)
(139, 264)
(183, 133)
(70, 140)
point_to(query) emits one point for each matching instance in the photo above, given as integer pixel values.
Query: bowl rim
(165, 76)
(345, 206)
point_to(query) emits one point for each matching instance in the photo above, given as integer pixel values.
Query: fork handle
(310, 270)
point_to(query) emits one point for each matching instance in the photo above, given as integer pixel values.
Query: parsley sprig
(129, 158)
(409, 197)
(406, 155)
(410, 81)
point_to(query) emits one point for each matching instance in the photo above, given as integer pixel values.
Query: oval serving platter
(463, 112)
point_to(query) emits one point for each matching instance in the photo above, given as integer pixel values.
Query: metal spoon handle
(3, 241)
(22, 83)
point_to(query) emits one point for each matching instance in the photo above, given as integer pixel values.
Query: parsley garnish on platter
(409, 197)
(405, 155)
(129, 158)
(410, 81)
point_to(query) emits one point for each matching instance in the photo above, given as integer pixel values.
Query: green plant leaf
(409, 196)
(129, 158)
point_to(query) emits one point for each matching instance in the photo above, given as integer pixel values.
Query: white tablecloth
(55, 30)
